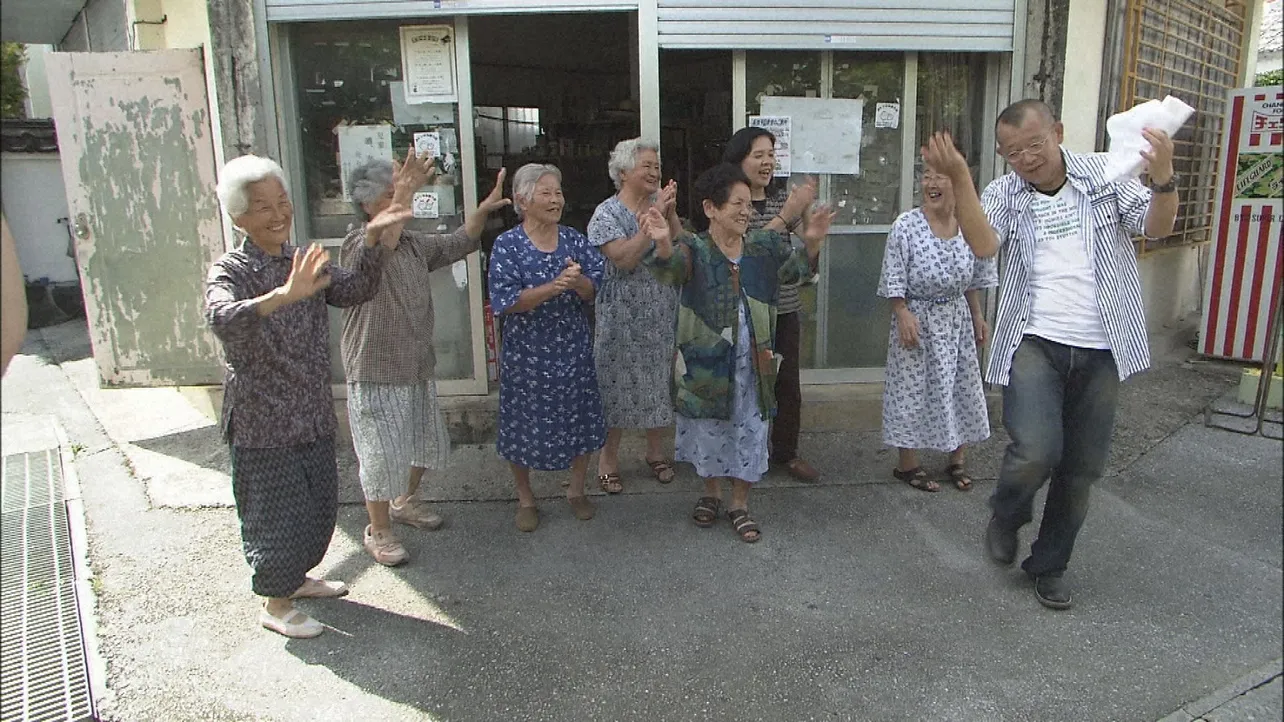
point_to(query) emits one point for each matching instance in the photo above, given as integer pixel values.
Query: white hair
(524, 181)
(239, 173)
(625, 158)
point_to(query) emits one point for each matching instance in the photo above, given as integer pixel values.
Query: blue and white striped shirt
(1109, 215)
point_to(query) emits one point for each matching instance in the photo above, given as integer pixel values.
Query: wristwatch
(1168, 187)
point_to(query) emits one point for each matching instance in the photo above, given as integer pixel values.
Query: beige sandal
(320, 589)
(527, 518)
(582, 507)
(296, 626)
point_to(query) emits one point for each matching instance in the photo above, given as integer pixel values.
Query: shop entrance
(559, 88)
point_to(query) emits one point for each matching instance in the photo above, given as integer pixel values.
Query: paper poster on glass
(424, 204)
(359, 144)
(428, 63)
(779, 126)
(825, 133)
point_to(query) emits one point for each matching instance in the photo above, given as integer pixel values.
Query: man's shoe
(1000, 542)
(1052, 592)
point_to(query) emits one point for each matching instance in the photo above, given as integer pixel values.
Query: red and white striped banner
(1245, 266)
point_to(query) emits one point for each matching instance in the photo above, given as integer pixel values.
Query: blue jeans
(1059, 410)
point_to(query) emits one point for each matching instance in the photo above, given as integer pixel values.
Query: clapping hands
(309, 273)
(569, 277)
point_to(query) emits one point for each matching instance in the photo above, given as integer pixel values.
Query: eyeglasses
(1032, 150)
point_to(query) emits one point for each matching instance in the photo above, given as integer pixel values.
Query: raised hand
(412, 175)
(800, 199)
(668, 198)
(1159, 159)
(907, 328)
(816, 223)
(309, 273)
(940, 154)
(495, 200)
(385, 228)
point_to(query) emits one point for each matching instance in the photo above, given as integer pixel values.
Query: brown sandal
(917, 478)
(746, 528)
(662, 470)
(957, 474)
(610, 483)
(706, 511)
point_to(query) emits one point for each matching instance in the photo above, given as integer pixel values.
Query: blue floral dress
(932, 395)
(550, 410)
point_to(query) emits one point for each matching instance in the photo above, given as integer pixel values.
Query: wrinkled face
(645, 176)
(1033, 150)
(546, 202)
(378, 205)
(267, 220)
(731, 217)
(760, 164)
(938, 192)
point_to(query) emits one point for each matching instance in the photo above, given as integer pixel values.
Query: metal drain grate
(43, 673)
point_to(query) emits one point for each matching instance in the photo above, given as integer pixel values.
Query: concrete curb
(86, 600)
(1192, 711)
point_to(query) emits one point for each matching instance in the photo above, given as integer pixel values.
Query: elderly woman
(266, 302)
(932, 397)
(726, 361)
(388, 356)
(543, 277)
(633, 344)
(775, 207)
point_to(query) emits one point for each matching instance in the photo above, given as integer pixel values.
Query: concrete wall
(1080, 89)
(103, 25)
(1172, 283)
(32, 193)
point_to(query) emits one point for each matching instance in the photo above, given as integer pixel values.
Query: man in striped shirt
(1070, 324)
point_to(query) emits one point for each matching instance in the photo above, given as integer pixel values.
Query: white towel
(1126, 140)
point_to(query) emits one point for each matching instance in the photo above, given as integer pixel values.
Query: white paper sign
(428, 63)
(825, 134)
(428, 144)
(887, 115)
(423, 204)
(459, 269)
(359, 144)
(779, 126)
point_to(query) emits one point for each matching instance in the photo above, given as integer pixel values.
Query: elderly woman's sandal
(610, 483)
(662, 470)
(916, 478)
(744, 525)
(957, 474)
(706, 511)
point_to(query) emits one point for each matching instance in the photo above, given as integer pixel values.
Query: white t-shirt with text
(1064, 306)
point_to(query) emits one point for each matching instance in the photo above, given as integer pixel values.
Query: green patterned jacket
(708, 316)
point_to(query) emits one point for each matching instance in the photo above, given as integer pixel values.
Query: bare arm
(532, 297)
(939, 153)
(14, 300)
(1162, 215)
(626, 253)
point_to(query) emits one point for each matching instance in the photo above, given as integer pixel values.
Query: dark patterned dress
(550, 410)
(932, 396)
(634, 338)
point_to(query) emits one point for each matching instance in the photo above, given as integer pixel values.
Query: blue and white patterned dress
(550, 410)
(736, 447)
(932, 396)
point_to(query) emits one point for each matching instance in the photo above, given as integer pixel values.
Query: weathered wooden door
(138, 163)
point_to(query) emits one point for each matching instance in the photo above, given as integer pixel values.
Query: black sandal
(957, 474)
(917, 478)
(706, 511)
(744, 525)
(610, 483)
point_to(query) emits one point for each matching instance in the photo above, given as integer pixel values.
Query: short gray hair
(239, 173)
(367, 183)
(524, 181)
(625, 158)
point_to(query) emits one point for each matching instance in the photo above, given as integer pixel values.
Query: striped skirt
(395, 427)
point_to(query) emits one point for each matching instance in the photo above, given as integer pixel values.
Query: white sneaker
(415, 513)
(295, 625)
(384, 547)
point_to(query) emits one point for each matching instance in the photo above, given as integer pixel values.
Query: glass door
(845, 324)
